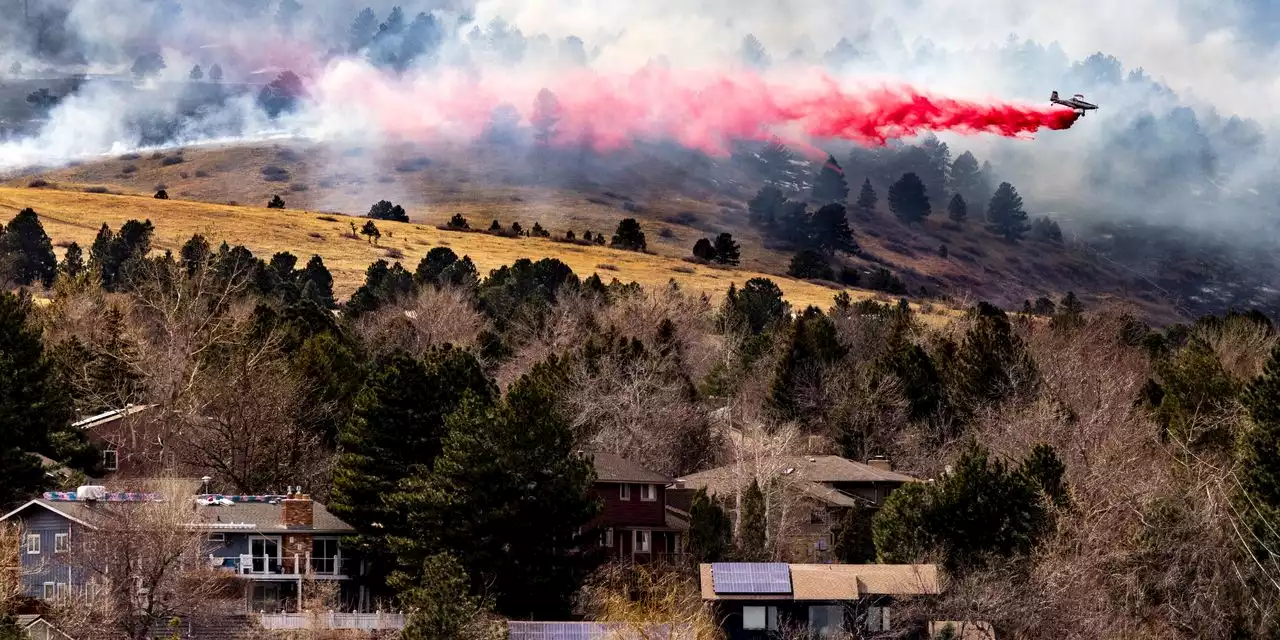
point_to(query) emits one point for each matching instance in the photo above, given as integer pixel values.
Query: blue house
(270, 543)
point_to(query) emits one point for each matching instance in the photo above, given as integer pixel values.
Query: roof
(247, 517)
(829, 582)
(615, 468)
(812, 475)
(109, 416)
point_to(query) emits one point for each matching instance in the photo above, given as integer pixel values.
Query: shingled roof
(248, 517)
(614, 468)
(834, 582)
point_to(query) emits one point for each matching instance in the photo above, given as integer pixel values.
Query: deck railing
(332, 620)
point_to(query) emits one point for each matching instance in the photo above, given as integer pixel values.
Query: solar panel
(582, 631)
(751, 577)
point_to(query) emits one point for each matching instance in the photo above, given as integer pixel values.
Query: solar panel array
(751, 577)
(583, 631)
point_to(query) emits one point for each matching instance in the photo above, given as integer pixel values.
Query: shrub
(327, 218)
(298, 187)
(129, 169)
(632, 207)
(276, 202)
(96, 190)
(599, 201)
(201, 173)
(272, 173)
(172, 160)
(128, 157)
(162, 195)
(685, 218)
(458, 222)
(413, 165)
(666, 233)
(684, 269)
(317, 235)
(882, 280)
(159, 155)
(607, 267)
(37, 183)
(395, 254)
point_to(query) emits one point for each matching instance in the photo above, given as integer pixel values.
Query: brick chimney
(297, 512)
(881, 463)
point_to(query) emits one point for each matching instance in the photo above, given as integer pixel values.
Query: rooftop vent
(91, 493)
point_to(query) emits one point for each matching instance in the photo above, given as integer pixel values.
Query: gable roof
(615, 468)
(68, 513)
(90, 422)
(811, 475)
(831, 582)
(247, 517)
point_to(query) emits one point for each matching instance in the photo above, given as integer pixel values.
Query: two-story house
(635, 522)
(270, 544)
(819, 488)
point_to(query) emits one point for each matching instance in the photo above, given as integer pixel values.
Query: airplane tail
(1053, 96)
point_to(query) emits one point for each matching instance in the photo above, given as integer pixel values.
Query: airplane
(1075, 102)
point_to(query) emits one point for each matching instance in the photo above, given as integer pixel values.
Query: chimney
(881, 463)
(297, 512)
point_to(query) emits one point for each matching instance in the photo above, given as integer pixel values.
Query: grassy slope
(75, 217)
(679, 203)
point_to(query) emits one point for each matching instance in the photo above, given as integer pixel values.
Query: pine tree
(276, 202)
(992, 363)
(370, 230)
(710, 529)
(507, 496)
(398, 424)
(215, 73)
(753, 53)
(765, 208)
(517, 229)
(726, 250)
(458, 222)
(957, 210)
(1070, 313)
(547, 112)
(72, 262)
(853, 537)
(362, 29)
(966, 178)
(830, 185)
(776, 164)
(384, 210)
(440, 604)
(628, 236)
(831, 232)
(1259, 464)
(867, 198)
(908, 200)
(753, 543)
(28, 250)
(1005, 216)
(810, 265)
(196, 74)
(1046, 229)
(317, 283)
(434, 264)
(703, 249)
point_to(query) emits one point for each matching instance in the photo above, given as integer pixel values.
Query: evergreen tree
(1048, 473)
(1259, 464)
(921, 382)
(458, 222)
(362, 29)
(726, 250)
(276, 202)
(147, 65)
(765, 208)
(215, 73)
(1070, 313)
(516, 228)
(992, 363)
(710, 530)
(434, 264)
(72, 262)
(775, 164)
(1005, 216)
(195, 253)
(35, 408)
(398, 425)
(810, 265)
(908, 200)
(1046, 229)
(854, 543)
(812, 345)
(981, 511)
(384, 210)
(28, 251)
(753, 543)
(957, 210)
(383, 283)
(830, 185)
(282, 94)
(703, 249)
(112, 255)
(966, 178)
(759, 304)
(547, 112)
(370, 231)
(796, 225)
(495, 227)
(439, 602)
(317, 283)
(196, 74)
(866, 198)
(753, 53)
(628, 236)
(831, 232)
(507, 496)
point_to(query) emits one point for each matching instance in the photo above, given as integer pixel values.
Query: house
(35, 627)
(635, 522)
(758, 600)
(822, 487)
(130, 439)
(269, 544)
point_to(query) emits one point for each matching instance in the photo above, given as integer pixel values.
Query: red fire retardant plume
(701, 110)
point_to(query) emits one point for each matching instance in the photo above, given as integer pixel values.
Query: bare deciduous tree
(433, 317)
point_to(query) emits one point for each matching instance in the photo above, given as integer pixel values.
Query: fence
(332, 620)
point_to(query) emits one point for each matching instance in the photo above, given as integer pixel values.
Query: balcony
(288, 567)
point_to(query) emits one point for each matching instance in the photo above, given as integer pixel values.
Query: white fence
(332, 620)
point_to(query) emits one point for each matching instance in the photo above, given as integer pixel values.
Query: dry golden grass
(76, 217)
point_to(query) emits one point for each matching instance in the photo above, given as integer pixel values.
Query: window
(218, 538)
(110, 460)
(325, 555)
(648, 492)
(826, 620)
(33, 544)
(760, 618)
(61, 542)
(816, 517)
(625, 492)
(643, 538)
(60, 590)
(877, 619)
(47, 591)
(606, 538)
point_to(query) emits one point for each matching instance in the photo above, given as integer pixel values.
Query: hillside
(76, 217)
(677, 196)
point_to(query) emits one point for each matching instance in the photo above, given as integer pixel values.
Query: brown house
(636, 523)
(131, 441)
(820, 488)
